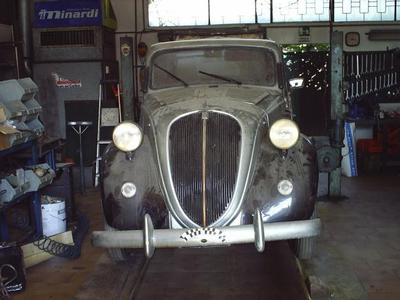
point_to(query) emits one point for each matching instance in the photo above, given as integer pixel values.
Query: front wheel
(122, 255)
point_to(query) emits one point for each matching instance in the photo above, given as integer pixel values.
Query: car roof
(209, 42)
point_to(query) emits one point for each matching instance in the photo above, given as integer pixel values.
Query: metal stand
(80, 127)
(128, 78)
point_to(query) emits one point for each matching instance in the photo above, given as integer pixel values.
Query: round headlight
(127, 136)
(284, 133)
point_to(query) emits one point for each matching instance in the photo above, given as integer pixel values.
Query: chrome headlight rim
(282, 143)
(128, 189)
(285, 187)
(130, 143)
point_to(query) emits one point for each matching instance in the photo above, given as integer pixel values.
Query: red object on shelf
(369, 145)
(116, 91)
(394, 141)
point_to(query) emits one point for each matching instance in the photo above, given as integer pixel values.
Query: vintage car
(216, 158)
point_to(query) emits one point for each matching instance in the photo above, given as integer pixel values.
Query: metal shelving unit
(35, 204)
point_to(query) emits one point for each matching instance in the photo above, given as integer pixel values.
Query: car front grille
(204, 156)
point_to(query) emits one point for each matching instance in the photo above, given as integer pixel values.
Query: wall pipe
(143, 16)
(25, 33)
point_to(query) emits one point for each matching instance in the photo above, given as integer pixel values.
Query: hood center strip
(204, 118)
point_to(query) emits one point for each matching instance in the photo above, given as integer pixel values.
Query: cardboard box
(3, 115)
(8, 136)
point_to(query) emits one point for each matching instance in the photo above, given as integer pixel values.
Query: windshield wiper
(172, 75)
(221, 77)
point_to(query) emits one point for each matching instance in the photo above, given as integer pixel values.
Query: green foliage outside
(302, 48)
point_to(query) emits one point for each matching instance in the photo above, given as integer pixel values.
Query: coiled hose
(62, 250)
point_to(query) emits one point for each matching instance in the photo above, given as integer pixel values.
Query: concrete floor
(59, 278)
(219, 273)
(358, 255)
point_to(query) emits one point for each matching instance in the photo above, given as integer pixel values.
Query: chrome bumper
(258, 233)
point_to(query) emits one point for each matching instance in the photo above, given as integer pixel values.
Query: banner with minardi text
(67, 13)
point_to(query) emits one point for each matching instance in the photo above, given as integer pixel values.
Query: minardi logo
(45, 14)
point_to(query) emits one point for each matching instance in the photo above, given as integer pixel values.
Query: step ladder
(106, 117)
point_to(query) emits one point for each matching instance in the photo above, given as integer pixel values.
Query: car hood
(230, 99)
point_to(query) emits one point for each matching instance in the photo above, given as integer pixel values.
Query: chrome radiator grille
(204, 159)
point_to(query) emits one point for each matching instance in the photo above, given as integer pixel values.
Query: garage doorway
(311, 104)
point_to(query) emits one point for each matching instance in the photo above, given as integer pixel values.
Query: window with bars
(232, 11)
(398, 11)
(364, 10)
(175, 13)
(300, 10)
(170, 13)
(263, 9)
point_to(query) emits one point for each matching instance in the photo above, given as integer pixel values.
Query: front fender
(299, 165)
(117, 167)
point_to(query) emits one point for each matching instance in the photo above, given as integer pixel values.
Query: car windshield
(213, 65)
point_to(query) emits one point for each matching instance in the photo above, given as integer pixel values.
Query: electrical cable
(63, 250)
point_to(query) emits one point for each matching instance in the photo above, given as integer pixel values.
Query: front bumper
(258, 233)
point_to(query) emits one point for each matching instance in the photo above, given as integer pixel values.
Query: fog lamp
(128, 189)
(285, 187)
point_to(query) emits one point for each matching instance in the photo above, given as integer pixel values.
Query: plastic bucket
(53, 217)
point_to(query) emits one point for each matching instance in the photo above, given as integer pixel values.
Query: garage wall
(321, 35)
(365, 44)
(124, 11)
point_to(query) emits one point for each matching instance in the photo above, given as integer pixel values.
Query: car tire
(305, 248)
(121, 255)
